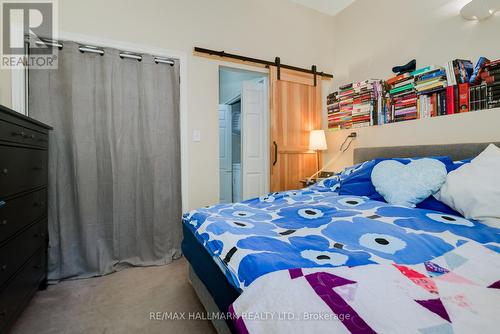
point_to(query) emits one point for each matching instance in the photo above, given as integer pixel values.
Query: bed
(230, 246)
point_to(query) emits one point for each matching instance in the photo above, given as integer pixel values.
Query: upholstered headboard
(454, 151)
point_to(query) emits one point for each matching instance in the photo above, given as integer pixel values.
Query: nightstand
(307, 182)
(322, 175)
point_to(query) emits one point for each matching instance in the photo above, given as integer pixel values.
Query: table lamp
(317, 142)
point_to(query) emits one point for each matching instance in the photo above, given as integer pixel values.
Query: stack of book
(333, 109)
(403, 98)
(459, 73)
(491, 77)
(346, 94)
(427, 92)
(430, 84)
(477, 97)
(484, 92)
(364, 108)
(477, 90)
(475, 78)
(385, 114)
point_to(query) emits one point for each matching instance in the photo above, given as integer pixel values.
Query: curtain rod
(267, 63)
(91, 49)
(94, 49)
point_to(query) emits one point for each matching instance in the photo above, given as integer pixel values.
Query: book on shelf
(463, 70)
(430, 91)
(463, 91)
(489, 73)
(492, 79)
(450, 74)
(407, 87)
(495, 63)
(401, 99)
(398, 78)
(357, 105)
(431, 88)
(450, 100)
(432, 75)
(478, 71)
(423, 70)
(489, 91)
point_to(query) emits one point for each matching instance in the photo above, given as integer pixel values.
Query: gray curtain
(114, 170)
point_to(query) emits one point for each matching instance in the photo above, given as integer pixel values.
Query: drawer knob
(3, 267)
(5, 171)
(20, 134)
(3, 222)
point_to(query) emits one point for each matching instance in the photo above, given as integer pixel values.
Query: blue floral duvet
(316, 227)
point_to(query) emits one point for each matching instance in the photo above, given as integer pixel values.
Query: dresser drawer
(21, 169)
(14, 253)
(21, 135)
(21, 211)
(15, 295)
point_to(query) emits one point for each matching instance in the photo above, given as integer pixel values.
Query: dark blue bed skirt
(223, 293)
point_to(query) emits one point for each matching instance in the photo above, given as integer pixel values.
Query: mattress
(313, 228)
(208, 271)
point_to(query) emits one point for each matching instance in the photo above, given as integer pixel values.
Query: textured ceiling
(330, 7)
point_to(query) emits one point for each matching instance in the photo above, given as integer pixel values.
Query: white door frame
(161, 52)
(226, 171)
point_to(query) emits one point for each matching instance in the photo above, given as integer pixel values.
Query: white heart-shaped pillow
(408, 185)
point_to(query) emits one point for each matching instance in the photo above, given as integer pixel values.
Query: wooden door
(295, 110)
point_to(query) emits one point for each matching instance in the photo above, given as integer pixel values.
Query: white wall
(5, 88)
(372, 36)
(256, 28)
(353, 45)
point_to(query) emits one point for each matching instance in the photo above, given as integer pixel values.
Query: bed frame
(454, 151)
(207, 301)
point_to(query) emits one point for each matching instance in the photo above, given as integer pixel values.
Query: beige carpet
(117, 303)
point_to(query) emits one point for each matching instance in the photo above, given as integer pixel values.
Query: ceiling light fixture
(480, 10)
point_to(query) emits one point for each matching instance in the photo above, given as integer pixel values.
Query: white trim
(182, 57)
(267, 126)
(233, 100)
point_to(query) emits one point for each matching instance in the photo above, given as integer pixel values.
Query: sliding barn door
(295, 110)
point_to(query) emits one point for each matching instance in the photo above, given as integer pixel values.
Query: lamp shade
(317, 140)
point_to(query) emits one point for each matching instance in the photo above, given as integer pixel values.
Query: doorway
(243, 134)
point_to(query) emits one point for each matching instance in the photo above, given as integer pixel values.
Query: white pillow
(474, 189)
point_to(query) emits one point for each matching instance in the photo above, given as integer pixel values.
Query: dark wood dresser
(23, 212)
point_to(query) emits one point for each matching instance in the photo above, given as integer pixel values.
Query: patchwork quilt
(316, 227)
(458, 292)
